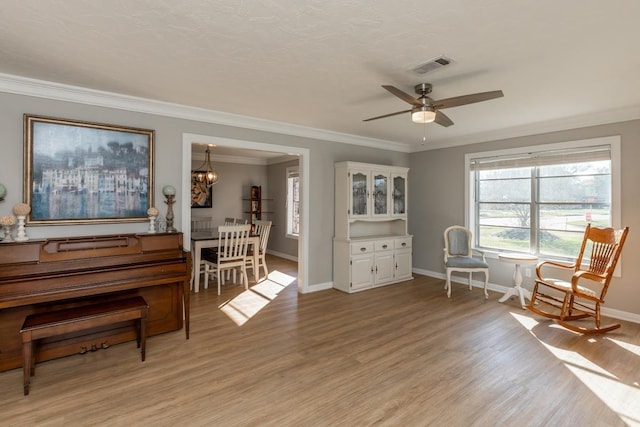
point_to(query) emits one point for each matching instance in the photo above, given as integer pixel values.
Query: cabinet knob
(404, 244)
(384, 246)
(363, 249)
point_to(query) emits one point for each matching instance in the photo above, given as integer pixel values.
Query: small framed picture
(200, 193)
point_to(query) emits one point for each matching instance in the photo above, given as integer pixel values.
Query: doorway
(304, 161)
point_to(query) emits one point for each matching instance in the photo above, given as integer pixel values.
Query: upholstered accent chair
(459, 256)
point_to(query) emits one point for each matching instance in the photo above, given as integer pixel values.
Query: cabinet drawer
(384, 245)
(361, 248)
(405, 242)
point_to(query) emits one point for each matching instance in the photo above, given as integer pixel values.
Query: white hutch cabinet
(371, 246)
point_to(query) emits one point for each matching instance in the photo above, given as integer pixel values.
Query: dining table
(209, 239)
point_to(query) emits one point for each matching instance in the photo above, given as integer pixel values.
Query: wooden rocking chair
(571, 300)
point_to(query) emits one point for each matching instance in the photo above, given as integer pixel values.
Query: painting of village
(87, 173)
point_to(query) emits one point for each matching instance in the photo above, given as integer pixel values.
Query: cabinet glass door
(359, 194)
(380, 194)
(399, 195)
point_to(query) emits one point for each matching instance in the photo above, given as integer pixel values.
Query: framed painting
(83, 173)
(200, 192)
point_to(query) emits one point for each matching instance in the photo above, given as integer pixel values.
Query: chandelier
(208, 177)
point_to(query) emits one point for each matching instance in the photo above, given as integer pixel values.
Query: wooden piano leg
(143, 336)
(186, 292)
(27, 361)
(186, 298)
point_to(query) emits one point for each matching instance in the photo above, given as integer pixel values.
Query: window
(539, 199)
(293, 202)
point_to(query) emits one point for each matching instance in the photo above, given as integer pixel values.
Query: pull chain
(424, 138)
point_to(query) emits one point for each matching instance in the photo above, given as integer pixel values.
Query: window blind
(542, 158)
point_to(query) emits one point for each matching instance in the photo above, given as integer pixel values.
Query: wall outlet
(527, 272)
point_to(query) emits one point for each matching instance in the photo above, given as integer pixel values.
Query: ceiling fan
(426, 110)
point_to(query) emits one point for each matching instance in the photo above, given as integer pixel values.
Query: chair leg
(263, 261)
(570, 308)
(470, 276)
(597, 330)
(245, 279)
(566, 306)
(534, 294)
(447, 284)
(219, 274)
(486, 282)
(249, 266)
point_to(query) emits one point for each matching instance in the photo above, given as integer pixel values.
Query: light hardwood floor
(400, 355)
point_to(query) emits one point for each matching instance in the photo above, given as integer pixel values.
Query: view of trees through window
(541, 209)
(293, 202)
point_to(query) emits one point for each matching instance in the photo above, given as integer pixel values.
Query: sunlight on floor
(620, 397)
(630, 347)
(246, 305)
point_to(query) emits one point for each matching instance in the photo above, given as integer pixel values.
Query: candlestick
(169, 202)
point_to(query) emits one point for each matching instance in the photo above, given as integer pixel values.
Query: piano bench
(53, 323)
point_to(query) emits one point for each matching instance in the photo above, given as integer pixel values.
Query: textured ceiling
(320, 64)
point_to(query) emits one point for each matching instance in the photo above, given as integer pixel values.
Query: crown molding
(62, 92)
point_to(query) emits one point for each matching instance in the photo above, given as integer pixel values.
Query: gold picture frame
(85, 173)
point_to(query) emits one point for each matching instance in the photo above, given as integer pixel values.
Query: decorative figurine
(152, 213)
(7, 221)
(170, 193)
(21, 210)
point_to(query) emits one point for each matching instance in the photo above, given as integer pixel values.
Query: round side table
(518, 260)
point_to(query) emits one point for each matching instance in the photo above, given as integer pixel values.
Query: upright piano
(43, 275)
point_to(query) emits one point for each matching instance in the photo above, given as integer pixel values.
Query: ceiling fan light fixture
(423, 114)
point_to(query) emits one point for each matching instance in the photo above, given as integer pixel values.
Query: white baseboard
(311, 288)
(609, 312)
(319, 287)
(282, 255)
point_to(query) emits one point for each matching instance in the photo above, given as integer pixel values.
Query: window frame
(469, 190)
(292, 172)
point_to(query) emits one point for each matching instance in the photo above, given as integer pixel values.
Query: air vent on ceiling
(433, 64)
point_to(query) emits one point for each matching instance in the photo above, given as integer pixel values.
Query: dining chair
(232, 253)
(201, 223)
(262, 228)
(235, 221)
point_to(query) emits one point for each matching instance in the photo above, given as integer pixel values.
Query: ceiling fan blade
(466, 99)
(442, 119)
(386, 115)
(403, 95)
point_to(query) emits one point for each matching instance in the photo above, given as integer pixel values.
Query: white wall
(232, 187)
(278, 240)
(169, 133)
